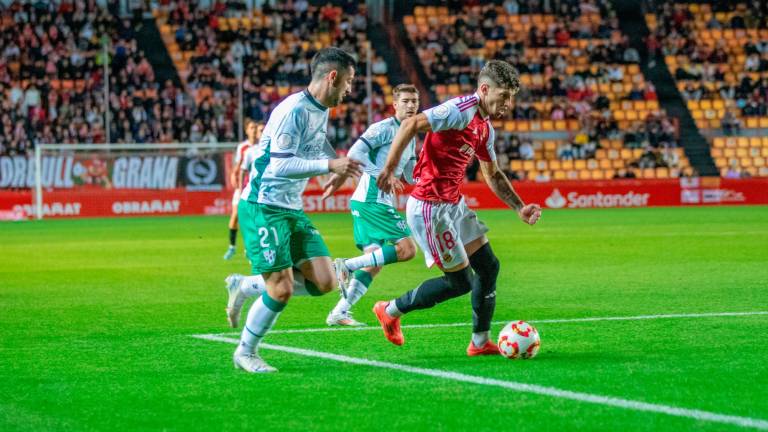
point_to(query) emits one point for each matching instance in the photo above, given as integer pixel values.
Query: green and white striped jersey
(373, 148)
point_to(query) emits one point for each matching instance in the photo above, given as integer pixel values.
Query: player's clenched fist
(346, 167)
(530, 214)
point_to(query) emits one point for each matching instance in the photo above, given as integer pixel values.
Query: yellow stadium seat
(555, 164)
(567, 165)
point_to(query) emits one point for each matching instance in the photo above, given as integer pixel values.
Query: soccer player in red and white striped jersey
(446, 229)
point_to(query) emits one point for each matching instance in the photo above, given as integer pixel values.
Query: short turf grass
(96, 317)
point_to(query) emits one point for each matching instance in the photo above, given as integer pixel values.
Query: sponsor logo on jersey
(467, 150)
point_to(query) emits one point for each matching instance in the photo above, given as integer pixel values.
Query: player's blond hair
(404, 88)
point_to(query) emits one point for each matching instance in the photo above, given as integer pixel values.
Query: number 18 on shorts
(442, 229)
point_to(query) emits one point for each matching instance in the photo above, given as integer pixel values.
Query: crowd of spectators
(561, 88)
(52, 72)
(705, 71)
(272, 56)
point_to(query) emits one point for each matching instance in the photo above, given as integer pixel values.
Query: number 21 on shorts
(264, 236)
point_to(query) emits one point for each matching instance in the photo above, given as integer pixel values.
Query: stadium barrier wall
(97, 201)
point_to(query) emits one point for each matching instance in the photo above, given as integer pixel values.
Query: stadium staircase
(400, 54)
(389, 47)
(149, 40)
(632, 23)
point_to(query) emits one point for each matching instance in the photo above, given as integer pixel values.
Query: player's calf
(486, 267)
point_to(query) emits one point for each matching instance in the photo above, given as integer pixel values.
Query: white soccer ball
(519, 340)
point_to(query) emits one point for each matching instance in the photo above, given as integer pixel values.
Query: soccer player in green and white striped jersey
(379, 229)
(281, 240)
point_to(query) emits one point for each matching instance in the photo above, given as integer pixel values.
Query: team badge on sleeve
(284, 142)
(441, 112)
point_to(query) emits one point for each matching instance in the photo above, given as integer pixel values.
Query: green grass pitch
(96, 317)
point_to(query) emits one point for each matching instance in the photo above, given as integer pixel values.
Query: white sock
(375, 258)
(341, 307)
(392, 310)
(260, 320)
(252, 286)
(479, 339)
(355, 291)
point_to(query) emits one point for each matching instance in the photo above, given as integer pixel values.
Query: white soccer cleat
(229, 253)
(252, 363)
(236, 298)
(343, 319)
(342, 275)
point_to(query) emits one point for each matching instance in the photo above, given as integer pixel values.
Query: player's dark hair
(501, 74)
(328, 59)
(404, 88)
(249, 121)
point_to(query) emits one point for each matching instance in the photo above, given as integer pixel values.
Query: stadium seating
(52, 80)
(578, 76)
(718, 57)
(205, 43)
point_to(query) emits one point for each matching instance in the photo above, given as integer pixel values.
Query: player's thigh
(471, 229)
(436, 233)
(306, 242)
(269, 247)
(375, 223)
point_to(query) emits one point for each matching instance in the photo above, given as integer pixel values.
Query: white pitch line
(543, 321)
(628, 404)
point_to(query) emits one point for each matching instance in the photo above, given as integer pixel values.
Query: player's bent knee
(326, 284)
(281, 292)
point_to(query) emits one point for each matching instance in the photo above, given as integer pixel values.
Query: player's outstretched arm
(387, 181)
(297, 168)
(503, 189)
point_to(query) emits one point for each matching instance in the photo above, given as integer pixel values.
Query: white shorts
(442, 229)
(236, 197)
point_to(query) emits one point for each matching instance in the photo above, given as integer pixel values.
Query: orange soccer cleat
(489, 348)
(390, 325)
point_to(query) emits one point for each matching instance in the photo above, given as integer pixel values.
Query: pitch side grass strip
(628, 404)
(542, 321)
